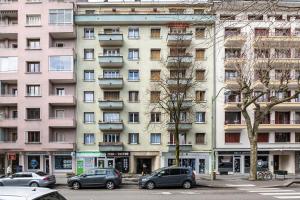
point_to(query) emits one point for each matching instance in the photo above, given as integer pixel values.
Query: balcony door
(111, 117)
(282, 117)
(111, 52)
(59, 114)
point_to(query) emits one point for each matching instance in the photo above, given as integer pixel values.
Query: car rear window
(51, 196)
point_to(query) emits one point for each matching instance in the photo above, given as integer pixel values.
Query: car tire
(34, 184)
(110, 185)
(187, 185)
(1, 184)
(150, 185)
(76, 185)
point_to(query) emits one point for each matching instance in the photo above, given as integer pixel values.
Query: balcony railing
(107, 82)
(111, 39)
(226, 122)
(111, 125)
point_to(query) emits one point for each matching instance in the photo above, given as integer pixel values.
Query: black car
(104, 177)
(169, 177)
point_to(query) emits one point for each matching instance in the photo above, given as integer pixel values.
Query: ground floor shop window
(201, 166)
(262, 162)
(225, 164)
(122, 164)
(34, 162)
(63, 162)
(186, 162)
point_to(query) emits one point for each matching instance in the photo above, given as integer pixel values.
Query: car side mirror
(83, 175)
(159, 175)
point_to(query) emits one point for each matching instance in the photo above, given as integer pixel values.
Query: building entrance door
(143, 161)
(100, 162)
(237, 164)
(276, 162)
(110, 162)
(2, 164)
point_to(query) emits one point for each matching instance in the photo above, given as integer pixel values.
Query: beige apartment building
(123, 49)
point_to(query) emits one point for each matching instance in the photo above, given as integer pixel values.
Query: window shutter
(155, 75)
(129, 138)
(138, 138)
(200, 54)
(200, 75)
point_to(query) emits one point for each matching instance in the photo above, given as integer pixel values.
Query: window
(155, 54)
(58, 137)
(33, 162)
(61, 63)
(199, 11)
(88, 96)
(134, 117)
(62, 163)
(182, 138)
(133, 75)
(111, 117)
(59, 113)
(297, 137)
(200, 138)
(155, 33)
(133, 33)
(111, 137)
(282, 117)
(33, 67)
(8, 64)
(112, 30)
(154, 96)
(133, 138)
(33, 90)
(89, 138)
(33, 20)
(200, 33)
(176, 10)
(200, 117)
(256, 17)
(111, 74)
(155, 75)
(89, 117)
(232, 137)
(89, 75)
(200, 54)
(90, 12)
(155, 138)
(111, 52)
(60, 91)
(89, 33)
(227, 17)
(132, 9)
(133, 54)
(155, 117)
(60, 16)
(33, 43)
(282, 137)
(200, 75)
(88, 54)
(232, 117)
(111, 95)
(33, 137)
(33, 113)
(263, 137)
(200, 96)
(133, 96)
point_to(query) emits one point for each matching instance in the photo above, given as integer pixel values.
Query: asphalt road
(133, 193)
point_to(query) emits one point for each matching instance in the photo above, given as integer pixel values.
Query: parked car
(27, 193)
(33, 179)
(169, 177)
(105, 177)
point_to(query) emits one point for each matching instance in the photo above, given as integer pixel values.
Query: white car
(29, 193)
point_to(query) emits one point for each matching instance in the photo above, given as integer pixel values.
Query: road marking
(258, 189)
(243, 185)
(287, 197)
(264, 191)
(188, 193)
(166, 193)
(278, 193)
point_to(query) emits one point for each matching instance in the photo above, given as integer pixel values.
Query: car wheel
(187, 184)
(34, 184)
(1, 184)
(110, 185)
(150, 185)
(76, 185)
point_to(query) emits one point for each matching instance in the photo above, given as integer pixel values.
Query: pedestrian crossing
(277, 193)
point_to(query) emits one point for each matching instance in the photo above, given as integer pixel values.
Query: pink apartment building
(37, 85)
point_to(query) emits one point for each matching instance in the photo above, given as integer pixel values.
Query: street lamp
(213, 131)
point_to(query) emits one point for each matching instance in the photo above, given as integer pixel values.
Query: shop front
(238, 162)
(198, 161)
(9, 158)
(86, 160)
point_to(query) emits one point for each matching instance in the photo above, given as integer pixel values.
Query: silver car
(33, 179)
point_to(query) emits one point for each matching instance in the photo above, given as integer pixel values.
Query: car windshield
(41, 173)
(155, 172)
(51, 196)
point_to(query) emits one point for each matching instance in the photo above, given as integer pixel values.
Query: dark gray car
(106, 177)
(169, 177)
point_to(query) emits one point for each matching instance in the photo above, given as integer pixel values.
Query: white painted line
(244, 185)
(188, 193)
(278, 193)
(259, 188)
(265, 191)
(166, 193)
(287, 197)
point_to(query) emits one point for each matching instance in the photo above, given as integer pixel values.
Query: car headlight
(144, 179)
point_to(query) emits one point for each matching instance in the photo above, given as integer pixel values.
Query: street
(240, 192)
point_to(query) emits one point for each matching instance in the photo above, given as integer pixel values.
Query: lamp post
(213, 131)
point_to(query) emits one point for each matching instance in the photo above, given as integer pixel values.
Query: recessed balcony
(8, 122)
(278, 40)
(62, 122)
(234, 40)
(179, 82)
(111, 104)
(183, 126)
(179, 39)
(111, 146)
(65, 100)
(60, 145)
(182, 147)
(115, 125)
(234, 62)
(8, 99)
(9, 145)
(178, 61)
(186, 104)
(111, 61)
(277, 62)
(111, 39)
(280, 125)
(62, 76)
(111, 82)
(234, 125)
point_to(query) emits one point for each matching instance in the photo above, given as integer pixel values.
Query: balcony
(66, 100)
(62, 31)
(116, 125)
(62, 122)
(8, 122)
(111, 104)
(234, 125)
(111, 61)
(234, 40)
(186, 104)
(8, 99)
(182, 147)
(111, 146)
(234, 62)
(9, 145)
(178, 61)
(9, 5)
(52, 145)
(277, 62)
(111, 39)
(183, 126)
(282, 125)
(179, 39)
(62, 76)
(111, 83)
(179, 81)
(278, 40)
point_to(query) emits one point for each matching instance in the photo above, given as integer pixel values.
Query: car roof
(7, 192)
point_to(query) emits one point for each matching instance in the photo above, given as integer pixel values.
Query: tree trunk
(177, 150)
(253, 160)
